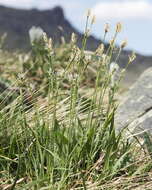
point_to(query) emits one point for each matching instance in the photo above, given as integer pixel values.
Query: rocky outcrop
(16, 23)
(135, 111)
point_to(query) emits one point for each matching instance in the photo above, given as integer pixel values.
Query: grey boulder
(135, 110)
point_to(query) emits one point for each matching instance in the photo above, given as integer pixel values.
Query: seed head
(50, 44)
(114, 73)
(73, 38)
(107, 28)
(118, 27)
(112, 42)
(123, 44)
(89, 13)
(100, 49)
(132, 57)
(45, 37)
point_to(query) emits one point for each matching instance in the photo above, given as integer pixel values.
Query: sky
(135, 16)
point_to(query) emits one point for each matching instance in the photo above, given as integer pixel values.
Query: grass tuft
(57, 126)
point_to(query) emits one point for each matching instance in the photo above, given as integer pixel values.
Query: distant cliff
(16, 23)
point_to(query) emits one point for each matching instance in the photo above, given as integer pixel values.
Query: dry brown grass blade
(9, 186)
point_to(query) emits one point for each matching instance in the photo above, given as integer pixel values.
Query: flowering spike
(118, 27)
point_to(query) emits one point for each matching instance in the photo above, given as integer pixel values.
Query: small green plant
(64, 137)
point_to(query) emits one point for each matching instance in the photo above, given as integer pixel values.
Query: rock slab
(135, 111)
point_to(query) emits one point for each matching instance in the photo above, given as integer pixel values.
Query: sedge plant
(59, 130)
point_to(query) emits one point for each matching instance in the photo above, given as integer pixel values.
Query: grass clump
(58, 130)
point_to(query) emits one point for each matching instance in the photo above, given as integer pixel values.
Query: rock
(52, 21)
(135, 111)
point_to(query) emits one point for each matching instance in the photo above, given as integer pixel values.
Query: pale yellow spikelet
(45, 37)
(73, 37)
(75, 53)
(50, 47)
(118, 27)
(88, 55)
(88, 12)
(100, 49)
(132, 57)
(123, 44)
(107, 28)
(112, 41)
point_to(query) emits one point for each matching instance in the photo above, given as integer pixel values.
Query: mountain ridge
(17, 22)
